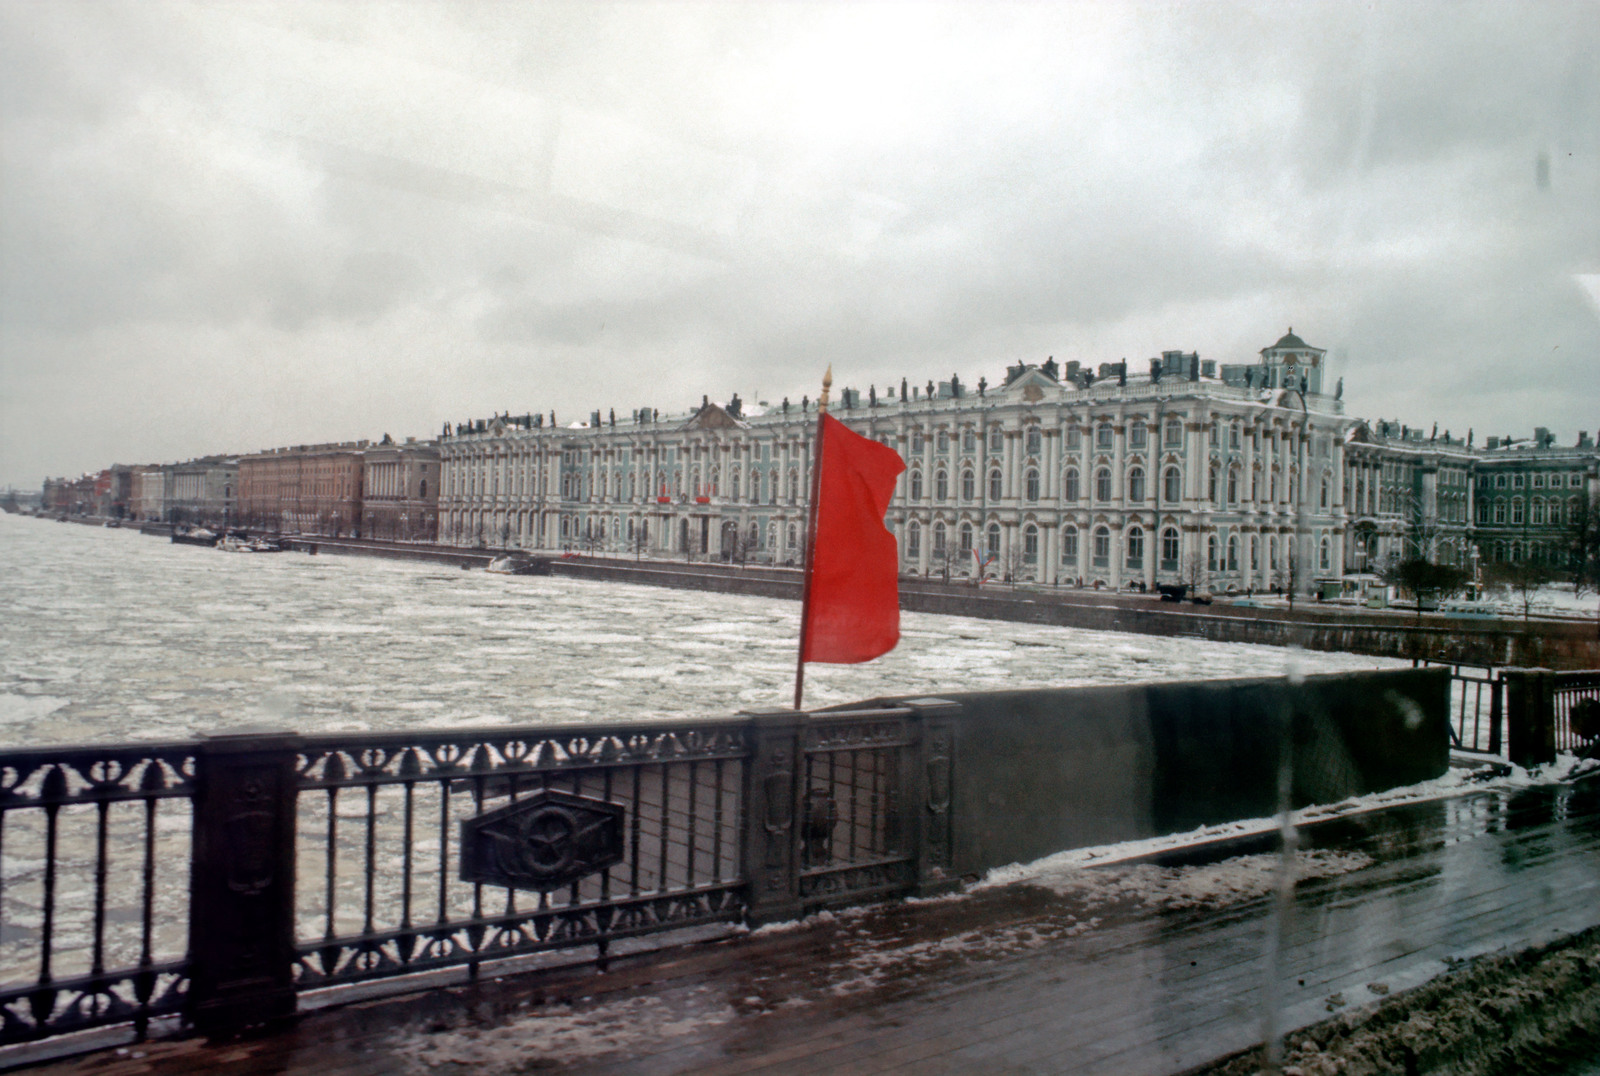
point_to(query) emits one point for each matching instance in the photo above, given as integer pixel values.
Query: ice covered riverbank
(108, 634)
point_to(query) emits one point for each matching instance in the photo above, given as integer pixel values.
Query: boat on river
(194, 536)
(518, 564)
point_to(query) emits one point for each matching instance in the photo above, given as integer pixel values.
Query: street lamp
(1298, 387)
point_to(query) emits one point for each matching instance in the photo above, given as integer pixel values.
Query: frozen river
(112, 635)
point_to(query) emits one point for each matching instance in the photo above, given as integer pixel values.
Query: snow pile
(1212, 885)
(565, 1031)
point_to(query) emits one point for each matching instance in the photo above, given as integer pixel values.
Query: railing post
(241, 883)
(770, 845)
(1496, 712)
(931, 795)
(1530, 718)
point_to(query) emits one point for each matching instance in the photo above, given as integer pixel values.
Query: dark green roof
(1289, 340)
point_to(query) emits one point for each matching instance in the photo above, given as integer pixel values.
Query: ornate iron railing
(1477, 707)
(319, 862)
(88, 936)
(1568, 691)
(420, 852)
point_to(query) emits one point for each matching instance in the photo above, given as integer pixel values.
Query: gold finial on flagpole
(827, 383)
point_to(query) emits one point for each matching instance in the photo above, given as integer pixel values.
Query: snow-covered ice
(113, 635)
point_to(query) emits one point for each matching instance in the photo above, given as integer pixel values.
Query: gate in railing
(317, 862)
(1477, 710)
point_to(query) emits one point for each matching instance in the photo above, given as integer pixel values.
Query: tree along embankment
(1553, 644)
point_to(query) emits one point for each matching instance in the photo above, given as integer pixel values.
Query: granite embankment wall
(1549, 644)
(1036, 772)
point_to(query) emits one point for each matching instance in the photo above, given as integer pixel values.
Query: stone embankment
(1553, 644)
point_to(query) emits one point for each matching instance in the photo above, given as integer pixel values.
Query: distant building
(1408, 495)
(1529, 492)
(304, 489)
(202, 492)
(400, 491)
(1104, 477)
(148, 501)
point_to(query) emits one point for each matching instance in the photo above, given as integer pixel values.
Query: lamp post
(1298, 387)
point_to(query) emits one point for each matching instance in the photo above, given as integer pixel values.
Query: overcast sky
(228, 226)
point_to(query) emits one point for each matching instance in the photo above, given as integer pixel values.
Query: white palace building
(1186, 472)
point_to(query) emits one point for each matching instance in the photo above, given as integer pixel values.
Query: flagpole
(811, 534)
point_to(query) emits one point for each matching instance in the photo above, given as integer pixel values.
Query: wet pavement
(1149, 966)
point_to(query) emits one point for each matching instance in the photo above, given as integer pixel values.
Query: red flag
(853, 599)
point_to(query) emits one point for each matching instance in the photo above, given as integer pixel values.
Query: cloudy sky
(227, 226)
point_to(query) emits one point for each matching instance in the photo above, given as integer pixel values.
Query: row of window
(1104, 492)
(1538, 512)
(1220, 557)
(1536, 480)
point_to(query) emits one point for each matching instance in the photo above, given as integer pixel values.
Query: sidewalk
(1152, 967)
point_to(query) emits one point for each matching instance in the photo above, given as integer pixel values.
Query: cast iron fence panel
(1567, 690)
(585, 836)
(1477, 698)
(88, 936)
(855, 843)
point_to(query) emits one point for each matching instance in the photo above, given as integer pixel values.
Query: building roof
(1289, 340)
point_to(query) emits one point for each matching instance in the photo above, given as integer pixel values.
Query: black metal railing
(421, 852)
(1568, 690)
(318, 862)
(1477, 707)
(88, 935)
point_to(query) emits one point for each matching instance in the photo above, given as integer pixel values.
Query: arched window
(938, 539)
(969, 485)
(733, 484)
(964, 536)
(1069, 485)
(1324, 553)
(1213, 486)
(1516, 510)
(996, 485)
(1069, 545)
(1102, 485)
(916, 485)
(794, 485)
(1233, 552)
(772, 487)
(1030, 544)
(1233, 485)
(1135, 548)
(1171, 485)
(1324, 491)
(755, 534)
(1169, 549)
(1499, 511)
(1211, 553)
(993, 540)
(1136, 484)
(1102, 546)
(793, 536)
(941, 486)
(1030, 484)
(1032, 442)
(1538, 510)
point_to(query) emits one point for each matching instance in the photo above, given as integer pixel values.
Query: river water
(110, 635)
